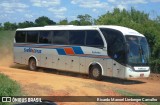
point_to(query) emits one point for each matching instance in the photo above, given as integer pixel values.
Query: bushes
(155, 65)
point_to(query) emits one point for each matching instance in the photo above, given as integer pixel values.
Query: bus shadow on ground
(17, 66)
(83, 76)
(122, 81)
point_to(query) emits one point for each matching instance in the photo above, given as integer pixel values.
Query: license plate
(141, 75)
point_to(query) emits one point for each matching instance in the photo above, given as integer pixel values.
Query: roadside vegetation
(8, 87)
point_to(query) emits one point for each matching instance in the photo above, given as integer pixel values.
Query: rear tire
(96, 72)
(32, 64)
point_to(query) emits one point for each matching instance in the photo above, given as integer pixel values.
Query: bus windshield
(138, 51)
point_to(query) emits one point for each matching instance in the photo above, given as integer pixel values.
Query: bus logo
(32, 50)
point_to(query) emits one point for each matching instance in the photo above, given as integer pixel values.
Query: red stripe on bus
(69, 51)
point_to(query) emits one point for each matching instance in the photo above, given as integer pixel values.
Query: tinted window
(77, 37)
(94, 39)
(20, 36)
(45, 37)
(32, 36)
(60, 37)
(115, 44)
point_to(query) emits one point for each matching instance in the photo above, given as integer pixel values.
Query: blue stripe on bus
(77, 50)
(61, 51)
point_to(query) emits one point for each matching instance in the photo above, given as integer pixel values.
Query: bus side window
(61, 37)
(20, 37)
(94, 39)
(32, 36)
(45, 37)
(77, 37)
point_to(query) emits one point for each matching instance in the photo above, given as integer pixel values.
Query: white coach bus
(94, 50)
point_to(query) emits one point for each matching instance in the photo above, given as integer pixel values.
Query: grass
(126, 93)
(9, 87)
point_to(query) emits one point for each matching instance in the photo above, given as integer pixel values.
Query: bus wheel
(95, 72)
(32, 64)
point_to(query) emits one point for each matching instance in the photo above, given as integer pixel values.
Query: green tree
(75, 22)
(63, 22)
(26, 24)
(131, 18)
(85, 19)
(10, 26)
(158, 19)
(1, 28)
(7, 26)
(43, 20)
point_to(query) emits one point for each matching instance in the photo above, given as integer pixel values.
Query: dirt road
(47, 83)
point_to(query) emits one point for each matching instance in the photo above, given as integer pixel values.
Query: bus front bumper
(130, 73)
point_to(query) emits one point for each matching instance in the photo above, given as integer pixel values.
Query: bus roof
(124, 30)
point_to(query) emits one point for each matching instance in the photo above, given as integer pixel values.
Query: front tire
(32, 64)
(95, 72)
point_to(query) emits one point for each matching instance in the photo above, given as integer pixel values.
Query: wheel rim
(32, 65)
(95, 72)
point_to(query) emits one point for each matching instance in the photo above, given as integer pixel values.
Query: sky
(29, 10)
